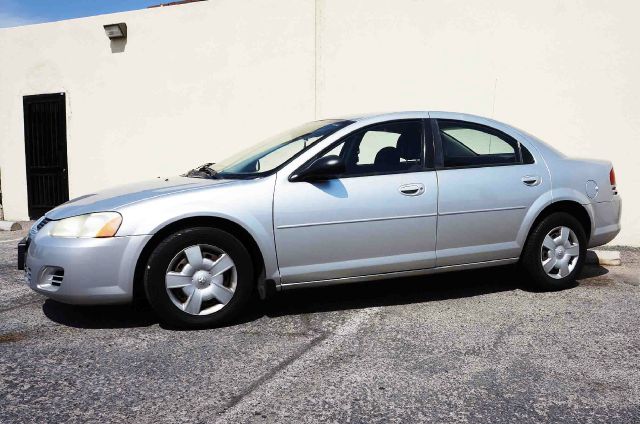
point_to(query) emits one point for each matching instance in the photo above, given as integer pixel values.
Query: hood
(117, 197)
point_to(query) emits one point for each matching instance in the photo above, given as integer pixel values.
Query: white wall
(566, 71)
(194, 84)
(193, 77)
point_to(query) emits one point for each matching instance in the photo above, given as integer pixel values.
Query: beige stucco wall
(566, 71)
(192, 77)
(194, 84)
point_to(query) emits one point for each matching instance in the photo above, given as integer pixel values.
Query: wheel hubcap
(201, 279)
(560, 252)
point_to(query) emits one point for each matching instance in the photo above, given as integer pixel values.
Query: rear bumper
(606, 225)
(83, 271)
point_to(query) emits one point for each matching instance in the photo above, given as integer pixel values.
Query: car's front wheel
(555, 251)
(199, 277)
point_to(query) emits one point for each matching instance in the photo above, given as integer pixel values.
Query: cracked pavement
(471, 346)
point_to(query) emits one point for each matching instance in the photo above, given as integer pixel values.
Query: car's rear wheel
(555, 251)
(199, 277)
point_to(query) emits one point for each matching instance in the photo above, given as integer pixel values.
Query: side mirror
(324, 168)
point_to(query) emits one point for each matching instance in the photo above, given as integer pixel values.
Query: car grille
(42, 224)
(27, 274)
(57, 277)
(39, 226)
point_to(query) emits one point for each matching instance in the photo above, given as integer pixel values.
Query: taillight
(612, 177)
(612, 180)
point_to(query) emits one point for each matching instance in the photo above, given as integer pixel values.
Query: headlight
(100, 224)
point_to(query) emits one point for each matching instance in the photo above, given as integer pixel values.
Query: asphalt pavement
(474, 346)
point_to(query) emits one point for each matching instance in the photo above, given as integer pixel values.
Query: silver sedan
(329, 202)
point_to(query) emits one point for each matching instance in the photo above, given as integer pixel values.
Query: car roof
(416, 114)
(383, 115)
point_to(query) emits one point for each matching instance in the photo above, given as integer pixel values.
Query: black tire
(531, 258)
(163, 255)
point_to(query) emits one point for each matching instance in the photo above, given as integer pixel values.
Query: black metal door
(45, 140)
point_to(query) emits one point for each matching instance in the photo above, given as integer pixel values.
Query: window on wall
(385, 148)
(465, 144)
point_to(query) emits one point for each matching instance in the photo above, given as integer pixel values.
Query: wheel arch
(227, 225)
(579, 211)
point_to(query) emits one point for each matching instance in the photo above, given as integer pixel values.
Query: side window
(527, 157)
(467, 144)
(373, 142)
(385, 148)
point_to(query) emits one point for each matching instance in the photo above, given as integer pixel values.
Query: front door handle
(531, 180)
(415, 189)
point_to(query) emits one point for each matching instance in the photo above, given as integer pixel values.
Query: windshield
(275, 151)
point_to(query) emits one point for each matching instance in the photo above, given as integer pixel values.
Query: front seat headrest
(409, 145)
(387, 159)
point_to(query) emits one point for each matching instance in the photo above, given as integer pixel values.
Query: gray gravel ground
(463, 347)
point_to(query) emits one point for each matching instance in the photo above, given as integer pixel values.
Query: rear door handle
(415, 189)
(531, 180)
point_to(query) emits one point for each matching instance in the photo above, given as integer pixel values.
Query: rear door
(487, 183)
(379, 217)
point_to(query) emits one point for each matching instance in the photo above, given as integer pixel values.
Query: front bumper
(83, 270)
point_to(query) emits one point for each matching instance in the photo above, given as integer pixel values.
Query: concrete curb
(603, 257)
(10, 226)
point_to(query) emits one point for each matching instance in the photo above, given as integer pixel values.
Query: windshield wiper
(202, 171)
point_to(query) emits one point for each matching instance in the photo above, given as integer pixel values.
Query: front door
(379, 217)
(45, 139)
